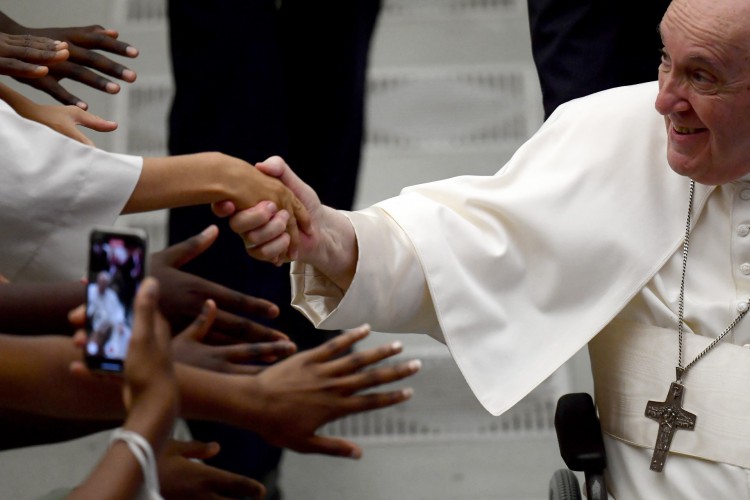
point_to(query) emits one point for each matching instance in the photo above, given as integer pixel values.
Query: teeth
(684, 130)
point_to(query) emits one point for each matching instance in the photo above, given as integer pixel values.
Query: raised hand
(184, 294)
(27, 56)
(189, 347)
(302, 393)
(183, 476)
(84, 64)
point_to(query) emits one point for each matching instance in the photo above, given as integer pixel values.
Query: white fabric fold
(526, 266)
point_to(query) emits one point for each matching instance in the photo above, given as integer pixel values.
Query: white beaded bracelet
(142, 451)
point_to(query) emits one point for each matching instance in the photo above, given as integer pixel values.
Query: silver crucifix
(671, 417)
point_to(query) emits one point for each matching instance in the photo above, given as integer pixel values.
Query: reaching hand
(27, 56)
(184, 294)
(183, 476)
(189, 347)
(312, 388)
(83, 62)
(66, 119)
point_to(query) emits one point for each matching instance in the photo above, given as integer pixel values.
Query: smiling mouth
(686, 130)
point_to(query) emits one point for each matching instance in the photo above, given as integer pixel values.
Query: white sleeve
(374, 297)
(53, 190)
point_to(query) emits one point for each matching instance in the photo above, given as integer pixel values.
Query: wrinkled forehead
(713, 30)
(724, 21)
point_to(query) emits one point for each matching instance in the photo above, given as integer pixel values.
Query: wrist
(337, 250)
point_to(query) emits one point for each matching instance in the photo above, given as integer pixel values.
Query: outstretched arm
(85, 62)
(203, 178)
(287, 403)
(33, 308)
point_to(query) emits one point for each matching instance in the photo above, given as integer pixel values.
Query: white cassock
(579, 233)
(53, 191)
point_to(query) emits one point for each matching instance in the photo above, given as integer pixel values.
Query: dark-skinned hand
(184, 294)
(189, 347)
(27, 56)
(85, 64)
(183, 477)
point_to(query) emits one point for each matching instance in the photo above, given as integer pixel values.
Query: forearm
(207, 395)
(32, 308)
(41, 366)
(176, 181)
(196, 179)
(117, 476)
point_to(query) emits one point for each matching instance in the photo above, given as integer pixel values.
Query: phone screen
(117, 265)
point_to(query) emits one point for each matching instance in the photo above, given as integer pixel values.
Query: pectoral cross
(671, 417)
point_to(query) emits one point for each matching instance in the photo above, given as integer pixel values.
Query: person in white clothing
(110, 332)
(583, 237)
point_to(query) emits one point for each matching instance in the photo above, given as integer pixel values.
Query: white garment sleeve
(524, 267)
(53, 190)
(403, 305)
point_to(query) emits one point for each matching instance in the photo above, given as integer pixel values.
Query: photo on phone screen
(117, 265)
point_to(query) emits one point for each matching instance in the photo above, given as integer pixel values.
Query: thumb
(199, 328)
(195, 449)
(181, 253)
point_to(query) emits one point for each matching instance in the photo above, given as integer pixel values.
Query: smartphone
(117, 266)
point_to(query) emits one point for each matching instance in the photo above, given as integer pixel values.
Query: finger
(145, 310)
(253, 218)
(195, 449)
(33, 48)
(94, 122)
(162, 331)
(79, 338)
(258, 351)
(77, 316)
(223, 208)
(241, 329)
(82, 74)
(275, 166)
(378, 376)
(99, 38)
(376, 400)
(201, 325)
(301, 216)
(293, 230)
(181, 253)
(260, 235)
(98, 62)
(337, 345)
(21, 69)
(358, 360)
(53, 88)
(336, 447)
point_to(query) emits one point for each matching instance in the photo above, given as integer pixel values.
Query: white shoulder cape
(526, 266)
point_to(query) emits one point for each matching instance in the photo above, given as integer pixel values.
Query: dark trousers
(584, 46)
(255, 78)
